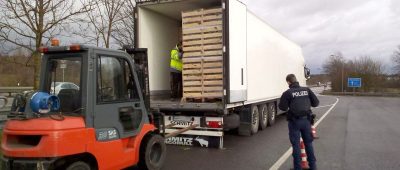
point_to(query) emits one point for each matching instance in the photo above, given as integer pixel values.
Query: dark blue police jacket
(298, 100)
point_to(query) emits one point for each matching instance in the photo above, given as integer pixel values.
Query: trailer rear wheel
(152, 152)
(263, 111)
(254, 119)
(78, 165)
(271, 114)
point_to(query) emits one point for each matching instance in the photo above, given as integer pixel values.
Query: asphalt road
(358, 133)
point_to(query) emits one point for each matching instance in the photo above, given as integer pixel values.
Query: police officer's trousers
(301, 127)
(176, 84)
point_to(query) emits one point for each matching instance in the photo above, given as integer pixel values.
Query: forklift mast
(139, 55)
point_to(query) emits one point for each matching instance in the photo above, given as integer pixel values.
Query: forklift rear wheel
(79, 165)
(152, 153)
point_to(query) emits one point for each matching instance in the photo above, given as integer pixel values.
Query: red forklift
(91, 111)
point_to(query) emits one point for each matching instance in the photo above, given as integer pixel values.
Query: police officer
(176, 71)
(299, 101)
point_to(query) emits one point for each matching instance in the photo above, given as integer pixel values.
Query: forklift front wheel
(79, 165)
(152, 152)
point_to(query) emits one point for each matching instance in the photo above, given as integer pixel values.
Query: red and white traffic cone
(304, 162)
(314, 132)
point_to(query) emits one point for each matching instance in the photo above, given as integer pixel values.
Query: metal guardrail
(4, 103)
(11, 90)
(3, 117)
(3, 114)
(4, 109)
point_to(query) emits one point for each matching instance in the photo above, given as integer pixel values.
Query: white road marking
(286, 155)
(326, 113)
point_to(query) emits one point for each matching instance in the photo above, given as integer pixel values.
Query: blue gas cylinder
(42, 102)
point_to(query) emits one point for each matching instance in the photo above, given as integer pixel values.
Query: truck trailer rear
(253, 60)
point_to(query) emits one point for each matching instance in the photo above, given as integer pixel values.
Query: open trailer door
(237, 45)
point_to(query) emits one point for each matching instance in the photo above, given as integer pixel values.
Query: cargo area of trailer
(159, 28)
(231, 56)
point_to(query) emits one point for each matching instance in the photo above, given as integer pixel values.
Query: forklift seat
(69, 100)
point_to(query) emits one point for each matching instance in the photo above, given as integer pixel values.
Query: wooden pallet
(202, 58)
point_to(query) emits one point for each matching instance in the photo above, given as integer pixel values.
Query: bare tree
(30, 23)
(14, 70)
(369, 70)
(334, 67)
(125, 27)
(366, 68)
(396, 60)
(101, 21)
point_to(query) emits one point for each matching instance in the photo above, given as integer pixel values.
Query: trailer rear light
(43, 49)
(214, 124)
(74, 47)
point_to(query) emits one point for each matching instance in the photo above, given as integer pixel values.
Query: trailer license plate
(184, 121)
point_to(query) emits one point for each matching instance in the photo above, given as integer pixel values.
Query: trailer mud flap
(196, 141)
(245, 121)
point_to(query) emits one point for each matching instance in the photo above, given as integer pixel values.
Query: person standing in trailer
(176, 71)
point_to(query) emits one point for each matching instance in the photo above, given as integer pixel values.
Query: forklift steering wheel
(106, 93)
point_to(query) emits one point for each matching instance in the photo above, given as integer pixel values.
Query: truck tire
(263, 112)
(152, 152)
(78, 165)
(271, 114)
(254, 119)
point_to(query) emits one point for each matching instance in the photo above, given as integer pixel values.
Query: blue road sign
(354, 82)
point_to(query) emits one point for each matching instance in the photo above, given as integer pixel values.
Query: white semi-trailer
(256, 59)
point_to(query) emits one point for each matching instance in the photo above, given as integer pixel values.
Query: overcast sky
(323, 27)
